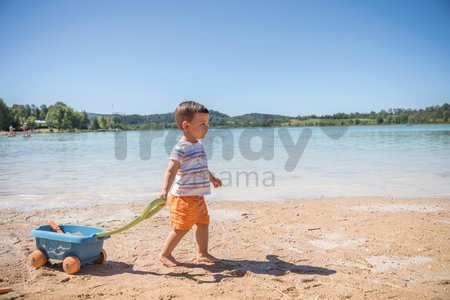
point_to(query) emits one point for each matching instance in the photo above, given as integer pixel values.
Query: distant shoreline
(60, 115)
(56, 131)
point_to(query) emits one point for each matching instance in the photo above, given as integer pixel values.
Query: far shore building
(39, 122)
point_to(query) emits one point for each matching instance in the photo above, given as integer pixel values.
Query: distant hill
(212, 113)
(63, 117)
(95, 115)
(168, 117)
(258, 116)
(429, 115)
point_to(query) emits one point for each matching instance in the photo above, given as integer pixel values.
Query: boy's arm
(215, 181)
(169, 177)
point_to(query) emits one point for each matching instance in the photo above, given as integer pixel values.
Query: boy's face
(198, 127)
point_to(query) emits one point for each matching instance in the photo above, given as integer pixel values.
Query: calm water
(53, 170)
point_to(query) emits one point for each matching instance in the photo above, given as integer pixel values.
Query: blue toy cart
(77, 246)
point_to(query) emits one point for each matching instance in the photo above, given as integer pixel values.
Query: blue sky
(283, 57)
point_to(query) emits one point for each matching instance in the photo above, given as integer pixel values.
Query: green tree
(44, 111)
(73, 118)
(55, 116)
(5, 118)
(116, 121)
(84, 123)
(35, 111)
(104, 122)
(18, 115)
(30, 122)
(446, 115)
(412, 119)
(61, 116)
(27, 110)
(94, 124)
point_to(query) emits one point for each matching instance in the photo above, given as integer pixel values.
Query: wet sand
(342, 248)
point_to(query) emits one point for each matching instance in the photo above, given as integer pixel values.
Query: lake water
(57, 170)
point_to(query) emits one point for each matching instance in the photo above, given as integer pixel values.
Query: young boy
(188, 165)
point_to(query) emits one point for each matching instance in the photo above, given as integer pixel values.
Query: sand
(361, 248)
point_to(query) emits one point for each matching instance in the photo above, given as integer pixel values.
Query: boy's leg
(171, 242)
(201, 236)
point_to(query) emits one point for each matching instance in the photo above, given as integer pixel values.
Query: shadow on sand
(224, 269)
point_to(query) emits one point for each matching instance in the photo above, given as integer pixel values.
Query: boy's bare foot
(206, 258)
(169, 261)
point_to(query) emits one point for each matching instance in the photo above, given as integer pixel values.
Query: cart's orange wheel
(38, 258)
(71, 264)
(102, 257)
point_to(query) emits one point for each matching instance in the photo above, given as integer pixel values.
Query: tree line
(57, 116)
(429, 115)
(63, 117)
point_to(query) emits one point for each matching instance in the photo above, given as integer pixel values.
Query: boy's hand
(163, 195)
(216, 182)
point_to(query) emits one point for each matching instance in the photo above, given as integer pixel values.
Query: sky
(236, 57)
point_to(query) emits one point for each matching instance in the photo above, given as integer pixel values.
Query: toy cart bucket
(80, 241)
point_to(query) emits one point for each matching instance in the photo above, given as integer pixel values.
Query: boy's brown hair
(186, 111)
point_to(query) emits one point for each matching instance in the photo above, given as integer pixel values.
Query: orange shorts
(185, 211)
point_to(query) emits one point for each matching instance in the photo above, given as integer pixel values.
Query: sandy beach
(361, 248)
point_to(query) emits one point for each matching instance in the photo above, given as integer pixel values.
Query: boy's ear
(184, 125)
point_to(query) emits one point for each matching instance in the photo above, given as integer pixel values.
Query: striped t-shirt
(192, 178)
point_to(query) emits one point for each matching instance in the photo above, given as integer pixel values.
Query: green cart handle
(150, 210)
